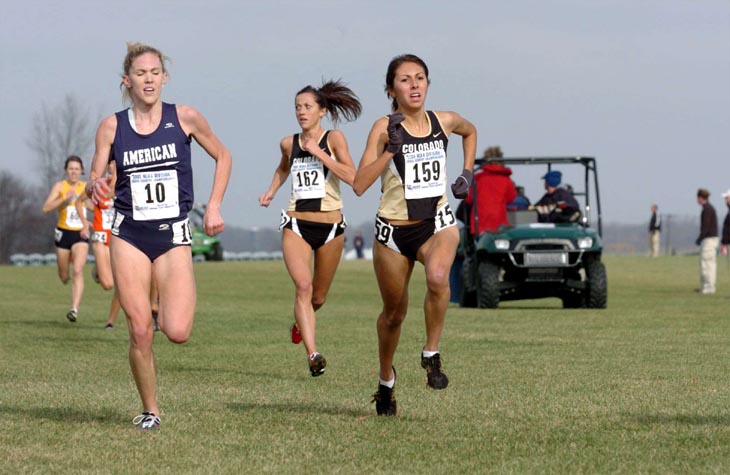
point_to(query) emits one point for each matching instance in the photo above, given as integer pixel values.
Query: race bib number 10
(154, 195)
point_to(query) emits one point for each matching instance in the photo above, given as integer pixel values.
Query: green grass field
(640, 387)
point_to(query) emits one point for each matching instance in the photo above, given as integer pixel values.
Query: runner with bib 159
(407, 150)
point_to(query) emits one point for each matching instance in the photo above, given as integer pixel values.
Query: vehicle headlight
(585, 243)
(501, 244)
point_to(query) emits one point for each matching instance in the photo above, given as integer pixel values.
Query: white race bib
(444, 218)
(107, 217)
(307, 177)
(181, 232)
(154, 195)
(73, 220)
(425, 174)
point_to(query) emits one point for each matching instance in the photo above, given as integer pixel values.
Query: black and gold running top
(313, 186)
(414, 184)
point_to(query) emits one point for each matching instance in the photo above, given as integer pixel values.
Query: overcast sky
(642, 85)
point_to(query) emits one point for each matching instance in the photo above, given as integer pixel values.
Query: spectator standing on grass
(414, 222)
(708, 242)
(655, 227)
(72, 249)
(317, 160)
(150, 144)
(726, 224)
(359, 244)
(493, 190)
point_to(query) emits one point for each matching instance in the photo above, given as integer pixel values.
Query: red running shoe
(296, 337)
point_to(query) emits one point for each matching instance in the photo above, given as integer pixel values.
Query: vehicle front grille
(545, 245)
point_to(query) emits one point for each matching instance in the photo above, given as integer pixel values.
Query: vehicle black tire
(216, 252)
(597, 285)
(488, 290)
(467, 292)
(573, 301)
(467, 299)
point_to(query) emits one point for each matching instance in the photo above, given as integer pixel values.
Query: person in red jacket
(494, 191)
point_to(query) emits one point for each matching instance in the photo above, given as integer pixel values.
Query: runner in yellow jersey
(71, 248)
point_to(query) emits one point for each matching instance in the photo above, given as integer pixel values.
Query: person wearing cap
(655, 228)
(726, 224)
(558, 204)
(708, 242)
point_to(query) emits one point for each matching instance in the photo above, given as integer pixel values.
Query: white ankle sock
(387, 384)
(429, 354)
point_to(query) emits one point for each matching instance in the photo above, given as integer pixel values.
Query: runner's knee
(140, 336)
(304, 288)
(437, 278)
(318, 301)
(393, 318)
(176, 335)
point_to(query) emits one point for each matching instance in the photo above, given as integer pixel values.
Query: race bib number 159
(425, 174)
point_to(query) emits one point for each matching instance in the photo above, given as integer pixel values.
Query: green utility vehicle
(530, 259)
(207, 246)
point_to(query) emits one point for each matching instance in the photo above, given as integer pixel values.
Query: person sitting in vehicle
(521, 202)
(493, 189)
(558, 204)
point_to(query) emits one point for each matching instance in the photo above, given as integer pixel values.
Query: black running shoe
(154, 321)
(317, 364)
(432, 365)
(146, 421)
(109, 326)
(384, 400)
(72, 315)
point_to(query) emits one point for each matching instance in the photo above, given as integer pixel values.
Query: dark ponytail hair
(393, 66)
(338, 99)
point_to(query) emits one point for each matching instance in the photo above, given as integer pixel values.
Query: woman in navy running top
(317, 160)
(150, 144)
(407, 150)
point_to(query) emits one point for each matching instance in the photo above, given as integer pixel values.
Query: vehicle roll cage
(591, 174)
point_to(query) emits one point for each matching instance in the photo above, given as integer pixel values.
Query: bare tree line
(57, 131)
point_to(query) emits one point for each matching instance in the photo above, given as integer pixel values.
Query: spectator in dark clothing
(708, 242)
(494, 190)
(558, 204)
(359, 244)
(655, 227)
(520, 202)
(726, 224)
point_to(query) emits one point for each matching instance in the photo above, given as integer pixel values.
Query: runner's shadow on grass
(309, 409)
(106, 416)
(75, 338)
(41, 323)
(722, 420)
(179, 368)
(533, 307)
(94, 327)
